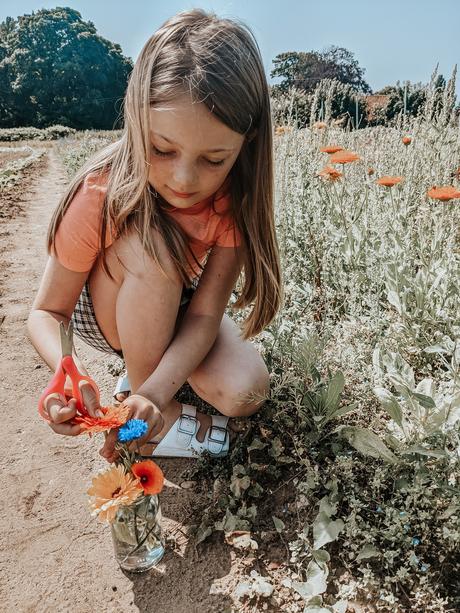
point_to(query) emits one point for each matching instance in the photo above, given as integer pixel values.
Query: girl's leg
(137, 312)
(233, 377)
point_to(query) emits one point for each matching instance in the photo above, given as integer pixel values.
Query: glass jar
(137, 534)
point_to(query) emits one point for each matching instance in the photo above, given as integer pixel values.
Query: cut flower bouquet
(126, 496)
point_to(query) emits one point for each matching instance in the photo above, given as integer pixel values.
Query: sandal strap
(217, 434)
(187, 425)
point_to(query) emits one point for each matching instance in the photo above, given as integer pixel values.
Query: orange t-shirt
(76, 245)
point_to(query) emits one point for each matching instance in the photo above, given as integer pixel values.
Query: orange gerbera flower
(320, 125)
(150, 476)
(443, 193)
(343, 157)
(389, 181)
(330, 173)
(331, 149)
(114, 417)
(111, 490)
(406, 140)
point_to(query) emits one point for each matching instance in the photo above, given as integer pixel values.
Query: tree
(56, 69)
(304, 70)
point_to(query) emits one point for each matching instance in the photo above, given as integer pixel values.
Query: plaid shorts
(86, 327)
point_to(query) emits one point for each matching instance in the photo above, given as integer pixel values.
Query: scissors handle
(76, 377)
(67, 367)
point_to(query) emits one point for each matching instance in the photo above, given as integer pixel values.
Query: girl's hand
(61, 411)
(141, 408)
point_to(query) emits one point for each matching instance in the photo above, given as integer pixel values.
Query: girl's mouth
(182, 194)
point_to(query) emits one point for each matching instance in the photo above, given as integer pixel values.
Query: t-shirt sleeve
(77, 243)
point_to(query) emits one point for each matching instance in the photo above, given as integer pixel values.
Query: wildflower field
(343, 492)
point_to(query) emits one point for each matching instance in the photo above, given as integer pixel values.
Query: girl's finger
(66, 429)
(63, 413)
(90, 399)
(108, 449)
(53, 403)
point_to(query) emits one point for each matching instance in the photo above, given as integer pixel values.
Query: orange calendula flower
(443, 193)
(114, 417)
(320, 125)
(150, 476)
(111, 490)
(389, 181)
(331, 149)
(406, 140)
(344, 157)
(330, 173)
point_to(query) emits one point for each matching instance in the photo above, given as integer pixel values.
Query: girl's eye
(161, 153)
(167, 153)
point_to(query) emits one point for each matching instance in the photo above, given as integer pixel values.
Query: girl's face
(192, 152)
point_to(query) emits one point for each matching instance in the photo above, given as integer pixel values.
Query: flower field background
(348, 479)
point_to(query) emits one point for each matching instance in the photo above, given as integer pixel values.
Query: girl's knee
(238, 396)
(136, 261)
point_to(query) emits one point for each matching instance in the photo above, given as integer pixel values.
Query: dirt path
(53, 555)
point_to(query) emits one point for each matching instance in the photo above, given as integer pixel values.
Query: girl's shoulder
(95, 183)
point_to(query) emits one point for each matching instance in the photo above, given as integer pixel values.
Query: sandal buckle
(186, 429)
(217, 440)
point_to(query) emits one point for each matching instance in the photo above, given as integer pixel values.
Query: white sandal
(123, 385)
(181, 442)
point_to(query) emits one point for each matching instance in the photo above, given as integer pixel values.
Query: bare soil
(53, 555)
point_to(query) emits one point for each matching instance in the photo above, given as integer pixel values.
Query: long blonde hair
(218, 61)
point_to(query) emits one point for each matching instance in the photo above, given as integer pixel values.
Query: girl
(147, 244)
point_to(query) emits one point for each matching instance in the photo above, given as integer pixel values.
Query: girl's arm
(198, 329)
(55, 301)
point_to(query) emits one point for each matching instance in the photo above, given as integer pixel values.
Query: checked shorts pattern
(85, 324)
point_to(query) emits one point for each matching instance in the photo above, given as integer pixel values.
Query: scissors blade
(66, 338)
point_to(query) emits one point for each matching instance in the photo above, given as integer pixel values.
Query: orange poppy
(443, 193)
(370, 171)
(114, 417)
(331, 149)
(319, 125)
(406, 140)
(343, 157)
(112, 489)
(330, 173)
(389, 181)
(150, 476)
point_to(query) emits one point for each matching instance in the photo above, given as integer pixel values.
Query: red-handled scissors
(67, 367)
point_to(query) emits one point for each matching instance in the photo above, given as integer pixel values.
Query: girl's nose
(185, 178)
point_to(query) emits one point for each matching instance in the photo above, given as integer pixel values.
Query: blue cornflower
(131, 430)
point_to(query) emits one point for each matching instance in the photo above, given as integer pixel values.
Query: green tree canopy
(304, 70)
(56, 69)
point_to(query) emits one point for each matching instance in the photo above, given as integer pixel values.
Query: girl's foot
(170, 415)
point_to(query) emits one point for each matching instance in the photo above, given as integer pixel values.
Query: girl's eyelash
(167, 153)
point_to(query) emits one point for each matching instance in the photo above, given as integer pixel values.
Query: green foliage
(50, 133)
(56, 69)
(304, 70)
(330, 100)
(352, 467)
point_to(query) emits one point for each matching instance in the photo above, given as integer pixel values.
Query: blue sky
(391, 39)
